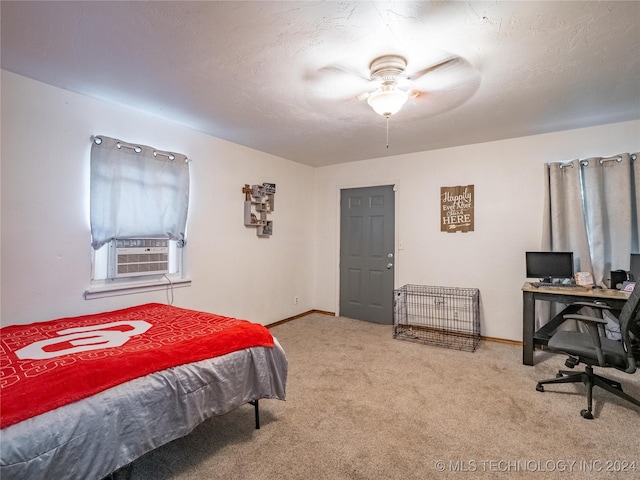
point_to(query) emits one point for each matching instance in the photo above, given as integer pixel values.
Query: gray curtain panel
(564, 219)
(609, 213)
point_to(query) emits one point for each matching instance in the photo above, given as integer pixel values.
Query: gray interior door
(367, 253)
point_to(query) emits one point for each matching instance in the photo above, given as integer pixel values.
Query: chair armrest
(600, 305)
(592, 324)
(585, 318)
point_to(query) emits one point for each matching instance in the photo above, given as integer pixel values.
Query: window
(592, 211)
(136, 192)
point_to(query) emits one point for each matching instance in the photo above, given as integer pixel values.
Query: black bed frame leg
(257, 411)
(123, 473)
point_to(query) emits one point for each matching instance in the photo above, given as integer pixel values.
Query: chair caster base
(539, 388)
(586, 414)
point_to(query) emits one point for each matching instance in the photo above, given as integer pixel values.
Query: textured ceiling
(282, 77)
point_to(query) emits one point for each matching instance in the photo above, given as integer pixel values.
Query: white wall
(508, 179)
(45, 222)
(45, 259)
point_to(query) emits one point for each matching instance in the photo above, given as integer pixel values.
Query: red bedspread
(50, 364)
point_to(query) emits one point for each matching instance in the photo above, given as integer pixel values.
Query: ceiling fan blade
(342, 70)
(336, 81)
(451, 73)
(444, 92)
(451, 61)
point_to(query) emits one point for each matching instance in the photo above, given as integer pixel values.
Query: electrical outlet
(295, 300)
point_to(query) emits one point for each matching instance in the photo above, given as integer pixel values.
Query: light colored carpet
(362, 405)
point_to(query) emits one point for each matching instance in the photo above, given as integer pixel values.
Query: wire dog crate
(441, 316)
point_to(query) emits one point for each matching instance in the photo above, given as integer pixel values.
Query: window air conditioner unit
(135, 257)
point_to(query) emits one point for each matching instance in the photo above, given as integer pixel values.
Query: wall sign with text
(456, 209)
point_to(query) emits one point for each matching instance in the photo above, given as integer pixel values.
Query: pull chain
(387, 116)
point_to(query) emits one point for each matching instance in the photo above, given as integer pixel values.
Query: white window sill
(111, 289)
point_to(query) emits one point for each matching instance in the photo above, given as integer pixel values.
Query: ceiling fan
(388, 98)
(389, 86)
(446, 82)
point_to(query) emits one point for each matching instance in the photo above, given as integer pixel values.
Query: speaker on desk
(618, 277)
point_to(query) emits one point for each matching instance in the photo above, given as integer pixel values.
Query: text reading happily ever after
(456, 209)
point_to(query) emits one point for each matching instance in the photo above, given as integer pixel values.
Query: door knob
(389, 265)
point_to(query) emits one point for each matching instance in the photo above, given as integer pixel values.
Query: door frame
(397, 247)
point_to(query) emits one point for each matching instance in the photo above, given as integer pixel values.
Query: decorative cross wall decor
(258, 202)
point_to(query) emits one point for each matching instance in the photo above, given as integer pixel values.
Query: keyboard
(553, 285)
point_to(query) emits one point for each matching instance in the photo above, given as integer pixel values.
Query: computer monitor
(635, 267)
(549, 265)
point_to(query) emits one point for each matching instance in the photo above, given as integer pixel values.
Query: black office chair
(594, 348)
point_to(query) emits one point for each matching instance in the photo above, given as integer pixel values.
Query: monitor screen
(635, 266)
(549, 265)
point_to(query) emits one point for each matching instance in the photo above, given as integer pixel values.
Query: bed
(85, 396)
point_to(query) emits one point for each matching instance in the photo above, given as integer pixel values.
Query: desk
(532, 338)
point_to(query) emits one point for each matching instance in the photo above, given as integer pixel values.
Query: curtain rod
(137, 148)
(585, 163)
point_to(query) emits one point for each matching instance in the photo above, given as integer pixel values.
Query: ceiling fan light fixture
(387, 100)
